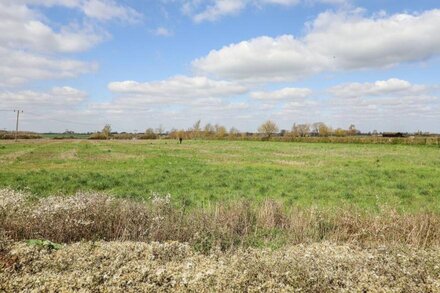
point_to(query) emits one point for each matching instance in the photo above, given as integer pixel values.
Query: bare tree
(301, 130)
(220, 131)
(321, 129)
(234, 131)
(106, 131)
(209, 130)
(160, 130)
(268, 128)
(196, 129)
(149, 134)
(352, 130)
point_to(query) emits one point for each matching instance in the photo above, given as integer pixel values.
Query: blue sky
(78, 64)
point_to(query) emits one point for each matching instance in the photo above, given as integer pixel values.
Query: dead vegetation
(95, 242)
(95, 216)
(176, 267)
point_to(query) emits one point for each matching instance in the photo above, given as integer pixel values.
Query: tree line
(267, 130)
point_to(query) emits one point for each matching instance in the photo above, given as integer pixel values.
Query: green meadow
(200, 172)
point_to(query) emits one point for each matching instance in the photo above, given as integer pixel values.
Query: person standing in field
(180, 140)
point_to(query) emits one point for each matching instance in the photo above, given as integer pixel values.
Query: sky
(81, 64)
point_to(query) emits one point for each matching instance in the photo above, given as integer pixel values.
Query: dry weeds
(176, 267)
(95, 216)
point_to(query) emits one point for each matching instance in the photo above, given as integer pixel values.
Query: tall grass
(95, 216)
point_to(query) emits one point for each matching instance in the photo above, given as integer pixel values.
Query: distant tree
(300, 130)
(209, 130)
(268, 128)
(352, 130)
(220, 131)
(69, 131)
(196, 129)
(340, 132)
(173, 133)
(181, 134)
(234, 131)
(149, 134)
(160, 130)
(106, 131)
(319, 128)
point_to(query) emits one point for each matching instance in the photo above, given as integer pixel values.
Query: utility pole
(16, 125)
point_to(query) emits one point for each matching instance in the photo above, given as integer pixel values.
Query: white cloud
(163, 32)
(218, 9)
(388, 105)
(23, 29)
(334, 41)
(392, 86)
(263, 59)
(213, 10)
(32, 49)
(392, 104)
(176, 89)
(281, 2)
(174, 102)
(103, 10)
(56, 97)
(282, 94)
(18, 67)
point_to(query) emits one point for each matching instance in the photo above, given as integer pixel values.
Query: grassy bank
(197, 173)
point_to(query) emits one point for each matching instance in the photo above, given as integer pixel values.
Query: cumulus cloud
(333, 42)
(22, 28)
(163, 32)
(392, 86)
(175, 89)
(179, 101)
(103, 10)
(175, 102)
(263, 59)
(55, 97)
(393, 104)
(218, 9)
(282, 94)
(385, 105)
(19, 67)
(213, 10)
(31, 49)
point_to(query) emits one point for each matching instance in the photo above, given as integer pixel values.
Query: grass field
(242, 216)
(199, 172)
